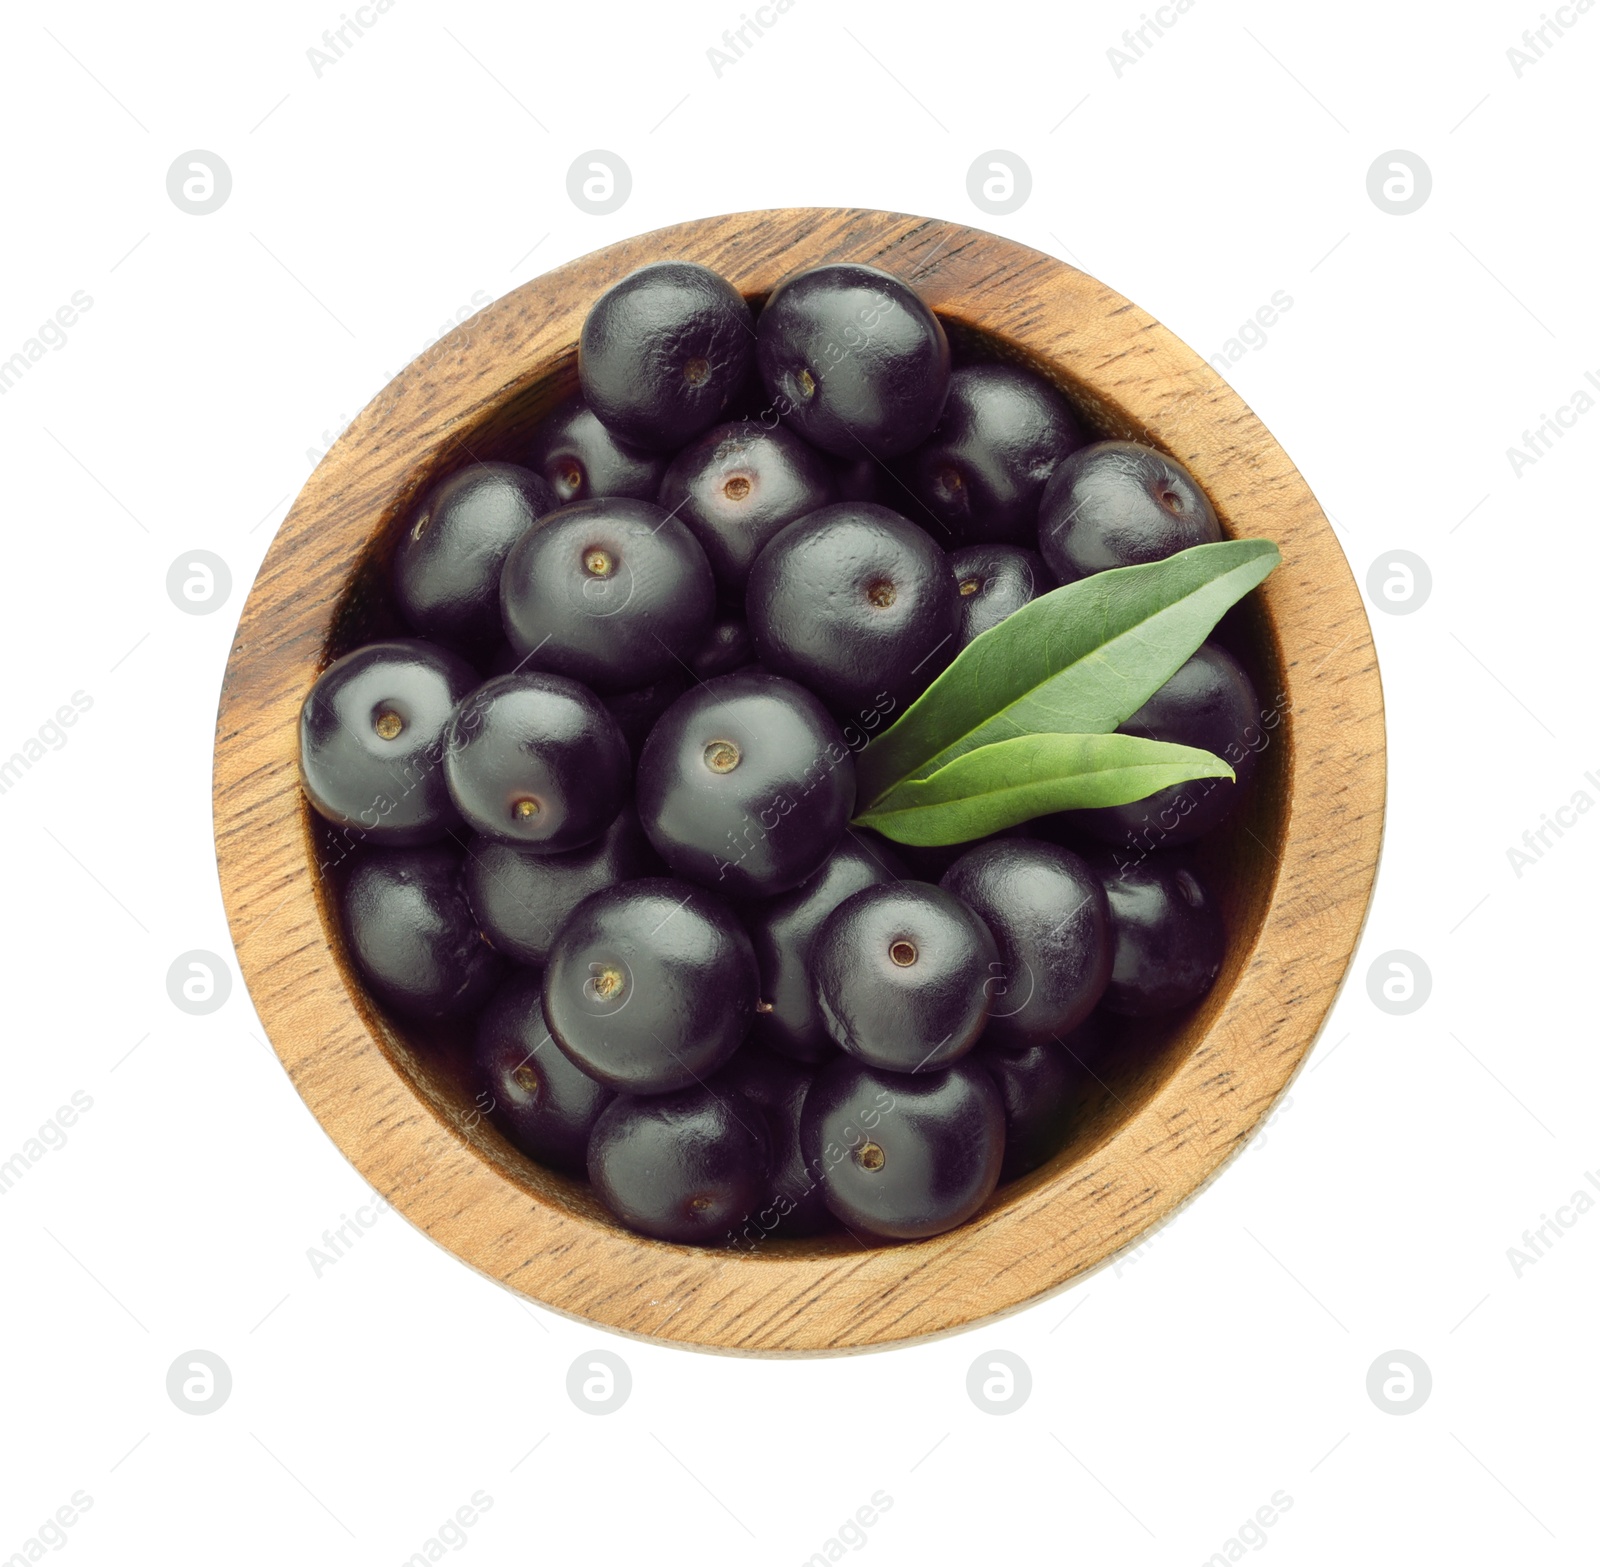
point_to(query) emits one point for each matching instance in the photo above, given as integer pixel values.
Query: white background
(1172, 1395)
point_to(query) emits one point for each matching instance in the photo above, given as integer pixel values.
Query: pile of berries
(600, 801)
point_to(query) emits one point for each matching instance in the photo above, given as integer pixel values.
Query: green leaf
(999, 785)
(1078, 660)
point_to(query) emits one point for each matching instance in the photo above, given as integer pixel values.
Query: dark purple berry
(737, 487)
(903, 975)
(993, 581)
(745, 784)
(536, 759)
(978, 478)
(1167, 941)
(664, 353)
(1042, 1090)
(687, 1167)
(784, 932)
(611, 592)
(855, 603)
(776, 1087)
(372, 736)
(854, 360)
(903, 1157)
(541, 1102)
(1118, 503)
(1211, 704)
(725, 650)
(447, 565)
(1047, 912)
(413, 936)
(522, 896)
(651, 985)
(582, 460)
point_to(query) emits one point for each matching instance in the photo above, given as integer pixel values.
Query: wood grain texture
(1296, 871)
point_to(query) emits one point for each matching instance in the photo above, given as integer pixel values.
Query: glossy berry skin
(745, 784)
(853, 360)
(1167, 940)
(446, 567)
(1047, 911)
(651, 985)
(903, 975)
(1210, 703)
(580, 459)
(1118, 503)
(686, 1167)
(664, 353)
(776, 1088)
(979, 476)
(521, 897)
(903, 1157)
(993, 581)
(530, 1090)
(535, 759)
(726, 649)
(1041, 1089)
(413, 936)
(372, 734)
(610, 592)
(737, 487)
(857, 604)
(784, 932)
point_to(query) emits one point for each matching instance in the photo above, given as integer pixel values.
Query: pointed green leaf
(1078, 660)
(999, 785)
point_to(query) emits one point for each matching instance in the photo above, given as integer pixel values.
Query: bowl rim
(339, 1053)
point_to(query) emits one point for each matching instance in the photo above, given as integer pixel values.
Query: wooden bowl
(1294, 869)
